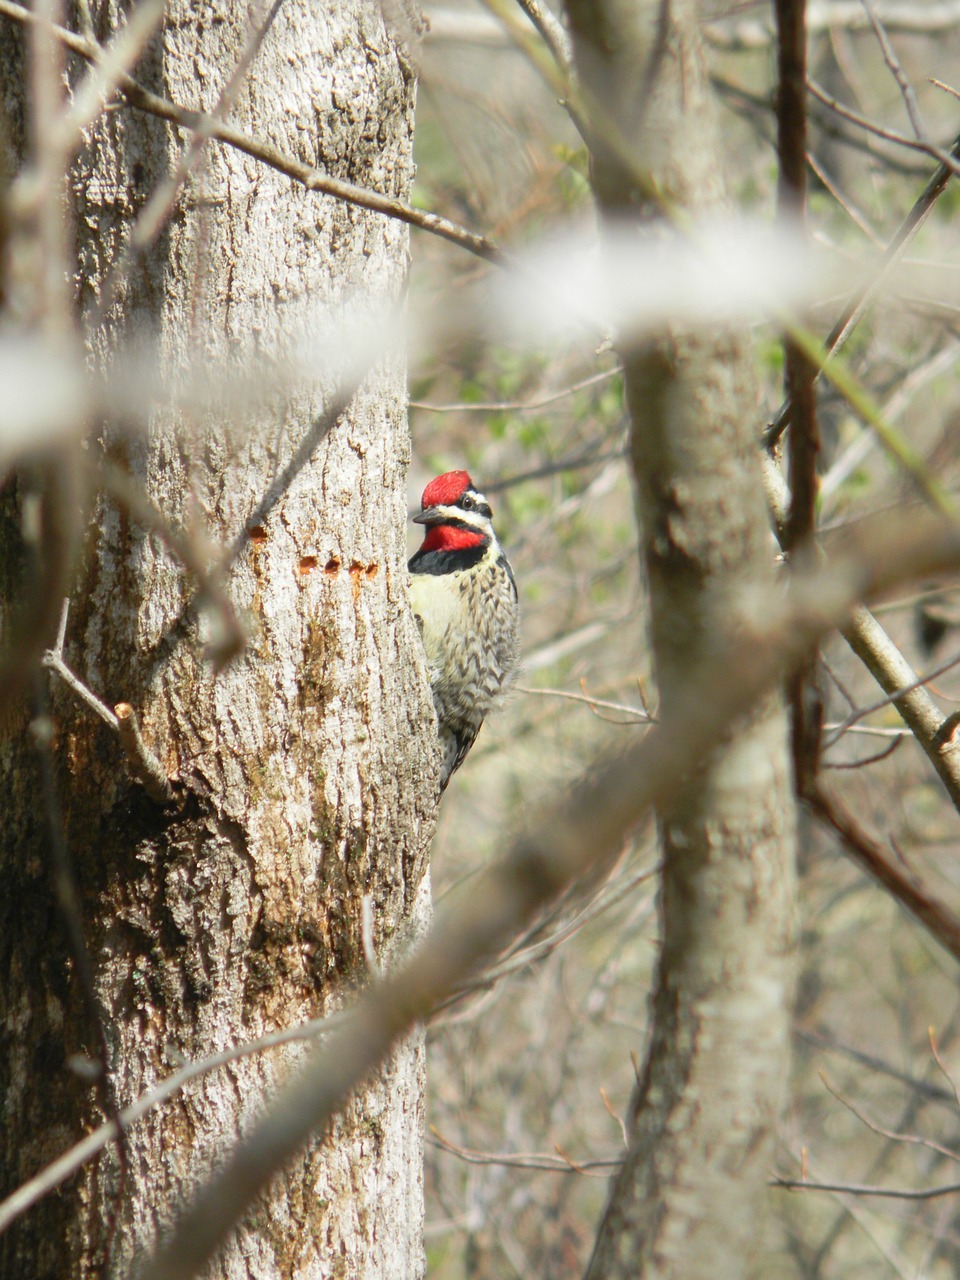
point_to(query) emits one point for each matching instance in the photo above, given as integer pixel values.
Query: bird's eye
(467, 502)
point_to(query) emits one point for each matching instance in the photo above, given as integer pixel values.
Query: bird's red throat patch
(447, 537)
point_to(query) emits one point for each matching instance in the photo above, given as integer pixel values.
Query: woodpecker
(465, 601)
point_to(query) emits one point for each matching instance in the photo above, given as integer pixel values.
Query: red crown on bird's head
(446, 489)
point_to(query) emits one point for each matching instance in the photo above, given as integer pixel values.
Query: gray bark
(689, 1199)
(304, 779)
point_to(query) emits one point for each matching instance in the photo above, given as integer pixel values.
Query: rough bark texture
(305, 777)
(689, 1199)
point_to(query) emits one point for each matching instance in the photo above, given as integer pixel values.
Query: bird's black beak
(432, 515)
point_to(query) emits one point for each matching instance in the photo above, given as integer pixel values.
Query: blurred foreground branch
(578, 834)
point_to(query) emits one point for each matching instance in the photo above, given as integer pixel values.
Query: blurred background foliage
(535, 1067)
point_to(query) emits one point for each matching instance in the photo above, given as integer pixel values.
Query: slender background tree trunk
(689, 1198)
(304, 780)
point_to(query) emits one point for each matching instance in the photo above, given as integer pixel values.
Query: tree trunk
(304, 782)
(689, 1198)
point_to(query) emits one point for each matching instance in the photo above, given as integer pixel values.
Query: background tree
(689, 1196)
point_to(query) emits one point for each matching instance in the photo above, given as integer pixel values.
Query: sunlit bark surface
(303, 782)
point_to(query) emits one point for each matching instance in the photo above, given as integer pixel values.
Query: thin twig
(899, 448)
(858, 1189)
(542, 1161)
(907, 387)
(551, 32)
(834, 124)
(142, 763)
(942, 1065)
(530, 950)
(550, 57)
(312, 179)
(68, 902)
(64, 1166)
(856, 216)
(924, 145)
(516, 406)
(856, 307)
(162, 200)
(582, 459)
(936, 917)
(616, 1116)
(867, 760)
(637, 714)
(922, 1091)
(930, 1092)
(896, 70)
(894, 698)
(870, 731)
(62, 627)
(947, 88)
(54, 661)
(116, 59)
(908, 1139)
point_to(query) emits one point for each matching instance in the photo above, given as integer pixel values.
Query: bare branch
(927, 1090)
(155, 212)
(896, 70)
(934, 1049)
(898, 694)
(857, 305)
(638, 715)
(896, 677)
(54, 662)
(923, 144)
(857, 1189)
(26, 1195)
(516, 406)
(909, 1139)
(887, 665)
(551, 32)
(142, 763)
(68, 902)
(311, 178)
(92, 94)
(936, 917)
(541, 1160)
